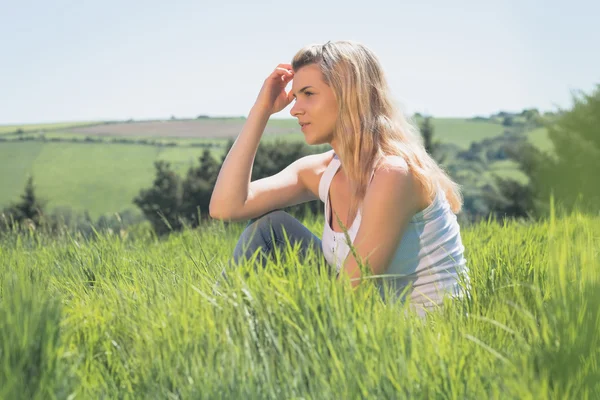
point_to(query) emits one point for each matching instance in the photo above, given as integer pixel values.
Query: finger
(286, 66)
(290, 96)
(283, 71)
(281, 74)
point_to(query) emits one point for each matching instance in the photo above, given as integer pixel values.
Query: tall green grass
(140, 317)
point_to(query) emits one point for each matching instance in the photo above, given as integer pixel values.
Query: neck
(335, 147)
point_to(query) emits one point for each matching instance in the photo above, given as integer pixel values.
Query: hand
(272, 96)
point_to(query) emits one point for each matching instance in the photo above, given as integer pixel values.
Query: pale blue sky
(110, 60)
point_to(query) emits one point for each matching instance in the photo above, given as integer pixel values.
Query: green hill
(39, 128)
(104, 177)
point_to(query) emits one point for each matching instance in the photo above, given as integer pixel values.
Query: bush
(172, 203)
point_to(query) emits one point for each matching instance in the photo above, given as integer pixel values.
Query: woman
(379, 183)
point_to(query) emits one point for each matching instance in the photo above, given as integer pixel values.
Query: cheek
(331, 110)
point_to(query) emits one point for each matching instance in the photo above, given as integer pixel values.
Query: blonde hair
(369, 125)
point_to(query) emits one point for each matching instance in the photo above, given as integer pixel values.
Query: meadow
(132, 316)
(100, 178)
(36, 128)
(103, 178)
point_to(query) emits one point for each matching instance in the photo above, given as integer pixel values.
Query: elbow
(219, 213)
(219, 217)
(214, 211)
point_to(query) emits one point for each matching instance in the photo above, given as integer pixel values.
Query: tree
(432, 147)
(198, 186)
(29, 208)
(570, 174)
(427, 133)
(161, 203)
(573, 177)
(530, 114)
(510, 199)
(181, 203)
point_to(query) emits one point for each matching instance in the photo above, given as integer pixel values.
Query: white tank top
(429, 256)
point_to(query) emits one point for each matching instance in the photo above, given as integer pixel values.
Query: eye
(308, 94)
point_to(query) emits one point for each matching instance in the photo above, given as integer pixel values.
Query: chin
(308, 139)
(311, 142)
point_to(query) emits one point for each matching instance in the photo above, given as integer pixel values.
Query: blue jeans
(266, 233)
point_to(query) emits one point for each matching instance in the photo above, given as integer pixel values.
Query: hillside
(92, 168)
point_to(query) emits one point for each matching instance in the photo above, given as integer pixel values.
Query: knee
(274, 221)
(263, 224)
(271, 218)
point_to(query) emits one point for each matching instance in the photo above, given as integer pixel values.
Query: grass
(138, 317)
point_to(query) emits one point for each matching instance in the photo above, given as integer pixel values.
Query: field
(137, 317)
(35, 128)
(219, 128)
(101, 177)
(104, 177)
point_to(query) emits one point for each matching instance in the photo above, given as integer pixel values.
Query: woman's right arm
(235, 197)
(231, 188)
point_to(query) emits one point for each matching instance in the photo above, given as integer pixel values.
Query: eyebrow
(303, 89)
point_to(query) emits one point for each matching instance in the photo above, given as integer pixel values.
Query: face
(315, 105)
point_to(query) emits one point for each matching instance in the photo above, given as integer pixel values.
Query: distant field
(458, 131)
(202, 128)
(101, 178)
(462, 132)
(104, 177)
(8, 129)
(539, 137)
(507, 169)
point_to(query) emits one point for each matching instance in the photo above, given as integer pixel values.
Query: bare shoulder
(392, 172)
(395, 173)
(311, 168)
(393, 163)
(314, 163)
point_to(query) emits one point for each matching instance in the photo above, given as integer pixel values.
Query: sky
(115, 60)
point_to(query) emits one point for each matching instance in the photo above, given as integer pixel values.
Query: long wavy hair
(370, 126)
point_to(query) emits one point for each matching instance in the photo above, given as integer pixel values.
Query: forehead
(307, 75)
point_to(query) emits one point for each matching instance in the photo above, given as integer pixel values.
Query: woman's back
(429, 256)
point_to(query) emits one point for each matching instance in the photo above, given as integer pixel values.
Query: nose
(294, 109)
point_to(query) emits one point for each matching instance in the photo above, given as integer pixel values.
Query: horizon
(183, 118)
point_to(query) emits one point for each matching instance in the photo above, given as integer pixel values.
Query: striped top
(429, 258)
